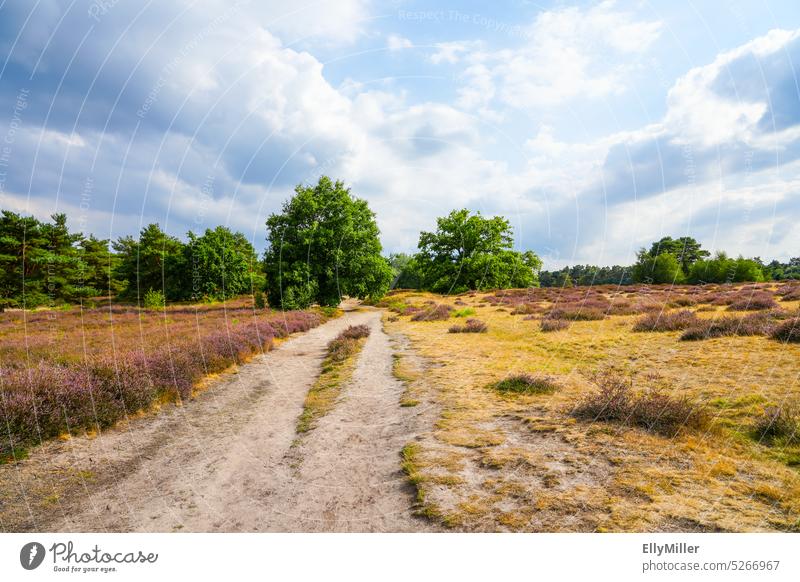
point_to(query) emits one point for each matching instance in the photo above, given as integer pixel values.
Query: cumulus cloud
(719, 164)
(198, 115)
(567, 53)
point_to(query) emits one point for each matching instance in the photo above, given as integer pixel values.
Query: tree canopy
(469, 251)
(323, 245)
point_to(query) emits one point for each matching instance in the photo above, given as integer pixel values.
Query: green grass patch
(527, 384)
(466, 312)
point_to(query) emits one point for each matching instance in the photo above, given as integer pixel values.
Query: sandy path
(225, 461)
(346, 474)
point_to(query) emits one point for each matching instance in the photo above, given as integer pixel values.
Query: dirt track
(230, 459)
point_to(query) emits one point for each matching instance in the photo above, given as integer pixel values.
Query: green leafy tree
(662, 268)
(322, 246)
(222, 264)
(686, 249)
(405, 273)
(468, 251)
(723, 269)
(153, 261)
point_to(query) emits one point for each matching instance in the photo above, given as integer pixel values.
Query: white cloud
(395, 42)
(452, 52)
(570, 52)
(699, 114)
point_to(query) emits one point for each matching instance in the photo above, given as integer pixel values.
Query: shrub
(525, 309)
(346, 343)
(355, 332)
(464, 312)
(754, 324)
(676, 321)
(778, 423)
(528, 384)
(791, 295)
(548, 325)
(472, 326)
(575, 313)
(438, 313)
(154, 299)
(341, 348)
(654, 410)
(754, 302)
(788, 331)
(682, 301)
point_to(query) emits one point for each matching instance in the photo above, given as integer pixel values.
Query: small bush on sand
(788, 331)
(472, 326)
(547, 325)
(525, 309)
(467, 311)
(346, 343)
(654, 410)
(355, 332)
(666, 321)
(753, 302)
(778, 424)
(528, 384)
(437, 313)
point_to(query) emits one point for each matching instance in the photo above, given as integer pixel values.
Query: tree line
(675, 261)
(324, 244)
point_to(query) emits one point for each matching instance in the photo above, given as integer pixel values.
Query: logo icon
(31, 555)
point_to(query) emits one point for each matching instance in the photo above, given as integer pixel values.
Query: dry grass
(337, 368)
(497, 462)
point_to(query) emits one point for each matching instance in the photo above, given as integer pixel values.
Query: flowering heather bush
(525, 309)
(753, 324)
(346, 343)
(92, 368)
(755, 302)
(682, 301)
(654, 410)
(355, 332)
(666, 321)
(472, 326)
(788, 331)
(791, 295)
(528, 384)
(548, 325)
(574, 312)
(437, 313)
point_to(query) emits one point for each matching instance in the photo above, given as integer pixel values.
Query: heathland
(660, 408)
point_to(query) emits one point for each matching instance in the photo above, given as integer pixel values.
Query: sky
(594, 127)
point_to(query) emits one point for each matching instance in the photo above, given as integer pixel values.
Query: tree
(405, 273)
(98, 265)
(155, 261)
(222, 264)
(322, 246)
(723, 269)
(472, 252)
(686, 249)
(661, 268)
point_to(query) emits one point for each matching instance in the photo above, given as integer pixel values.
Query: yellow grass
(522, 463)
